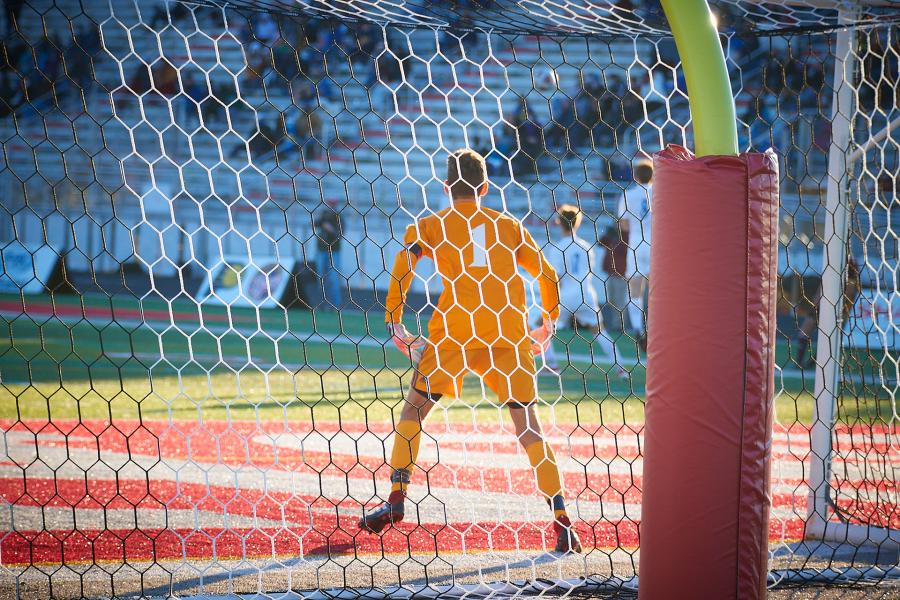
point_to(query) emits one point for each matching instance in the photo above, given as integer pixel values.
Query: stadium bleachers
(380, 146)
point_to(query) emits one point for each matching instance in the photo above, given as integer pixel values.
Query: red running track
(315, 525)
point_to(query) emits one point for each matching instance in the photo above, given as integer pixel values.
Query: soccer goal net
(200, 206)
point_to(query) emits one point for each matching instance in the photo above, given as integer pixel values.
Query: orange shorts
(508, 372)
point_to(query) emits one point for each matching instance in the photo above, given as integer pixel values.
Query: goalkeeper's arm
(401, 278)
(530, 258)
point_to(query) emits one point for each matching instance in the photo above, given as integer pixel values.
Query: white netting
(176, 421)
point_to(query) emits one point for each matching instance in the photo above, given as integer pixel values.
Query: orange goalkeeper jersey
(477, 252)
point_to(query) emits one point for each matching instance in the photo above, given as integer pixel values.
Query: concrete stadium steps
(403, 145)
(380, 144)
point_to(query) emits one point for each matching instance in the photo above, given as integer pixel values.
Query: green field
(156, 360)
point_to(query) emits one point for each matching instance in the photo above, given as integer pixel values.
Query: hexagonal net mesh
(201, 209)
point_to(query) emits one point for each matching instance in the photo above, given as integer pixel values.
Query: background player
(635, 215)
(810, 322)
(478, 326)
(575, 261)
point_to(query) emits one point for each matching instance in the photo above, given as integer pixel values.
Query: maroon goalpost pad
(710, 376)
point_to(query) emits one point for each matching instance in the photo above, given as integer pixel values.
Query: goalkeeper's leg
(407, 436)
(543, 459)
(511, 376)
(439, 371)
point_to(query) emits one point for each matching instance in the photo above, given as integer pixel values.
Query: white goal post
(844, 155)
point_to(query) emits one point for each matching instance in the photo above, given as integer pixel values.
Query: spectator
(635, 212)
(326, 90)
(611, 112)
(329, 233)
(165, 79)
(286, 62)
(505, 142)
(587, 105)
(578, 132)
(265, 29)
(774, 76)
(529, 129)
(392, 69)
(561, 128)
(529, 137)
(333, 38)
(48, 66)
(86, 49)
(593, 85)
(815, 76)
(484, 150)
(393, 64)
(305, 35)
(12, 9)
(10, 93)
(633, 102)
(263, 35)
(366, 44)
(313, 67)
(13, 54)
(307, 130)
(194, 92)
(264, 141)
(304, 95)
(615, 259)
(140, 82)
(40, 75)
(175, 11)
(224, 93)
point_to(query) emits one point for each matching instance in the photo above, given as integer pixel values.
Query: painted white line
(21, 518)
(318, 337)
(61, 462)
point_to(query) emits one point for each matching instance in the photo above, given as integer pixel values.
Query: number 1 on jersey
(479, 247)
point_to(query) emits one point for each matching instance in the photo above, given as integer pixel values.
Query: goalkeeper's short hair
(466, 173)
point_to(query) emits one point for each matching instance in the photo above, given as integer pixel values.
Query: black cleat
(566, 538)
(387, 514)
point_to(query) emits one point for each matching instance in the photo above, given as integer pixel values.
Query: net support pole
(711, 338)
(709, 89)
(834, 260)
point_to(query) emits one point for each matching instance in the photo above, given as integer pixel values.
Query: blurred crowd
(47, 72)
(276, 101)
(296, 60)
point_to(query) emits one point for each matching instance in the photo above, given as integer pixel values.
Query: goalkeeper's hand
(410, 345)
(542, 336)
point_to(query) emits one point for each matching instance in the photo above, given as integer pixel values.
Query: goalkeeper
(478, 326)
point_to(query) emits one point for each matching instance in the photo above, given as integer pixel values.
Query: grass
(160, 361)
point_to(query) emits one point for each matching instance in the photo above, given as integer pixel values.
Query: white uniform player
(575, 262)
(574, 259)
(635, 215)
(634, 209)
